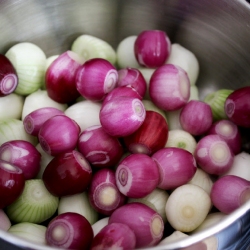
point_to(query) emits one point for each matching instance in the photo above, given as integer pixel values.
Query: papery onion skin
(196, 117)
(60, 77)
(65, 138)
(176, 166)
(229, 193)
(169, 87)
(152, 48)
(69, 231)
(67, 174)
(147, 224)
(137, 175)
(22, 154)
(11, 183)
(213, 155)
(8, 76)
(99, 148)
(34, 120)
(237, 107)
(134, 78)
(122, 116)
(114, 236)
(151, 136)
(96, 78)
(103, 193)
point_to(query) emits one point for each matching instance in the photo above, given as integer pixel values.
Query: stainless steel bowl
(216, 31)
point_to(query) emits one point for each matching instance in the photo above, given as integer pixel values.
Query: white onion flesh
(186, 59)
(29, 231)
(12, 129)
(211, 220)
(174, 237)
(125, 53)
(89, 47)
(147, 73)
(45, 159)
(48, 62)
(78, 203)
(194, 93)
(99, 225)
(14, 102)
(40, 99)
(202, 179)
(29, 61)
(35, 204)
(187, 207)
(149, 105)
(85, 113)
(181, 139)
(240, 166)
(157, 200)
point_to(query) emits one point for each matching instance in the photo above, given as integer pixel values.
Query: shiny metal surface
(217, 31)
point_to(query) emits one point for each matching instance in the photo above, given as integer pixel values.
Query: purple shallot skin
(69, 231)
(152, 48)
(67, 174)
(65, 138)
(96, 78)
(99, 148)
(147, 224)
(237, 107)
(60, 77)
(114, 236)
(169, 87)
(229, 192)
(121, 116)
(103, 193)
(22, 154)
(8, 76)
